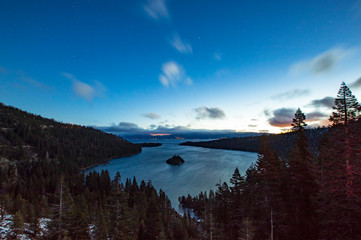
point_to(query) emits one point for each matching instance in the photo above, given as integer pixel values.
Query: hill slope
(25, 136)
(281, 143)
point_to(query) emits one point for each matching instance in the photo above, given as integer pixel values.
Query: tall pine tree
(346, 107)
(298, 122)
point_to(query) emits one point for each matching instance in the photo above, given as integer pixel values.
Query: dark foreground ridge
(282, 143)
(175, 160)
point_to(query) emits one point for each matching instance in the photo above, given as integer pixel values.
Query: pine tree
(302, 191)
(298, 122)
(61, 212)
(269, 206)
(152, 221)
(347, 110)
(77, 223)
(237, 182)
(346, 106)
(247, 231)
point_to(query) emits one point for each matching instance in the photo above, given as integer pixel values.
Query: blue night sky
(161, 65)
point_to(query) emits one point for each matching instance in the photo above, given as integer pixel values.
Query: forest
(42, 169)
(282, 143)
(305, 195)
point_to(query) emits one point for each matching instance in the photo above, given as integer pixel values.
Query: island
(175, 160)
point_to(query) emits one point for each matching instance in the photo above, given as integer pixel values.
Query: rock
(175, 160)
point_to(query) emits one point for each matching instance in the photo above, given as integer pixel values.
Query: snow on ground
(5, 226)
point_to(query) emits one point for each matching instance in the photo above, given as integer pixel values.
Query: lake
(202, 170)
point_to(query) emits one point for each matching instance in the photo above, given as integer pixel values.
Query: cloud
(217, 56)
(85, 90)
(35, 83)
(252, 125)
(323, 63)
(356, 84)
(316, 116)
(180, 45)
(151, 115)
(132, 129)
(209, 113)
(124, 127)
(267, 112)
(324, 102)
(172, 73)
(156, 9)
(291, 94)
(189, 81)
(282, 117)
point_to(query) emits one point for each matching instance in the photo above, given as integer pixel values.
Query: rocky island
(175, 160)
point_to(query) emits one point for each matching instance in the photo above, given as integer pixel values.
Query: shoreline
(108, 160)
(219, 148)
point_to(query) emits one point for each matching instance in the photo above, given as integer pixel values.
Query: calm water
(202, 170)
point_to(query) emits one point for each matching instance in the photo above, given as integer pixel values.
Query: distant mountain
(188, 134)
(281, 143)
(25, 136)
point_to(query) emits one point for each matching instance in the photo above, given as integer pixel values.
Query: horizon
(164, 66)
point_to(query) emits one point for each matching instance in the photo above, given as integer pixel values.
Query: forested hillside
(32, 137)
(42, 176)
(281, 143)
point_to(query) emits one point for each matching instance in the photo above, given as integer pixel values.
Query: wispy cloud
(291, 94)
(151, 115)
(356, 84)
(180, 45)
(323, 63)
(267, 112)
(172, 73)
(327, 102)
(209, 113)
(156, 9)
(84, 90)
(35, 83)
(217, 56)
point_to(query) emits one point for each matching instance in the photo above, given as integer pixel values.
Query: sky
(160, 65)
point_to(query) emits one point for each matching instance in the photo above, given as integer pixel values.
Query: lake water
(202, 170)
